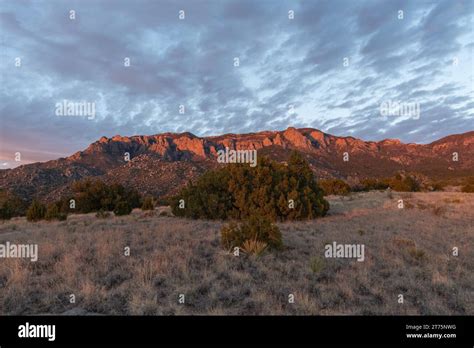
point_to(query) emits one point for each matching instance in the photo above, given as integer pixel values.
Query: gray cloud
(283, 62)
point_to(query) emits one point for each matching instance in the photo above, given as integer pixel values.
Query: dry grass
(407, 251)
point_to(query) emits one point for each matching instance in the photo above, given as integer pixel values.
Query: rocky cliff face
(160, 164)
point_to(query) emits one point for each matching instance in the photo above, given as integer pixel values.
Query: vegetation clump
(89, 196)
(53, 212)
(148, 204)
(335, 187)
(122, 208)
(369, 184)
(468, 188)
(272, 190)
(36, 211)
(404, 183)
(253, 235)
(95, 195)
(102, 214)
(11, 206)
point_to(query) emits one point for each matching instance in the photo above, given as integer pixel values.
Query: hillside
(160, 164)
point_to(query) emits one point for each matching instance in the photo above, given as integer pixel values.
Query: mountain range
(161, 164)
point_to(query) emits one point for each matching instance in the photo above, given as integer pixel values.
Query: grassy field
(407, 251)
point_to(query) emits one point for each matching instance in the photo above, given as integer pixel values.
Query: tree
(95, 195)
(54, 212)
(148, 204)
(238, 191)
(11, 205)
(36, 211)
(122, 208)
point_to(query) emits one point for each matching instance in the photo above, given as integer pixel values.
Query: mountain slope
(160, 164)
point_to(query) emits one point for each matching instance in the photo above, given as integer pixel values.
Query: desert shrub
(439, 210)
(122, 208)
(64, 205)
(148, 204)
(254, 247)
(94, 195)
(369, 184)
(334, 187)
(162, 201)
(417, 254)
(5, 212)
(208, 198)
(469, 188)
(36, 211)
(250, 231)
(317, 264)
(102, 214)
(438, 186)
(404, 183)
(238, 191)
(11, 206)
(53, 212)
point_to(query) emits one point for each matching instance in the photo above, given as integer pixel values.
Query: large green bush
(53, 212)
(122, 208)
(148, 204)
(404, 183)
(11, 206)
(369, 184)
(254, 229)
(238, 191)
(95, 195)
(36, 211)
(5, 212)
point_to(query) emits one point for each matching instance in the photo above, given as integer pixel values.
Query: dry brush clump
(468, 186)
(253, 236)
(334, 187)
(148, 203)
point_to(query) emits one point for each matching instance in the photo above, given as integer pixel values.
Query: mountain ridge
(162, 163)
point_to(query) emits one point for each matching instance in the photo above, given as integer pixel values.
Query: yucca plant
(253, 247)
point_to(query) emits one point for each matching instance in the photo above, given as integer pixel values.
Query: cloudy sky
(329, 65)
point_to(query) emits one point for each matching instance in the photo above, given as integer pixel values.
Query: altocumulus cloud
(330, 66)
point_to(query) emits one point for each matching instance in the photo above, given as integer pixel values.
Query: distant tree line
(88, 196)
(402, 182)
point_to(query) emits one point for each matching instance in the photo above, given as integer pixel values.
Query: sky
(369, 69)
